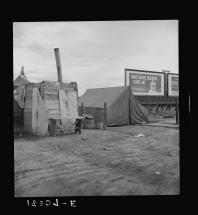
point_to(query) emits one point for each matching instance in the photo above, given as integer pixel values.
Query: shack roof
(20, 80)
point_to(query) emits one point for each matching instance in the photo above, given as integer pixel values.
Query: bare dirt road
(99, 162)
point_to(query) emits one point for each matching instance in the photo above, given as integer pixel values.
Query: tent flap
(138, 113)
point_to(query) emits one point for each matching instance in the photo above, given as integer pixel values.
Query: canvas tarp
(122, 107)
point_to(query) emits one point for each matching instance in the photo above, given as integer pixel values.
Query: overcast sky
(94, 54)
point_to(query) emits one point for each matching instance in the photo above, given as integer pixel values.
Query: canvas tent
(122, 107)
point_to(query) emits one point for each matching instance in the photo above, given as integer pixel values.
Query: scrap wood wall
(51, 100)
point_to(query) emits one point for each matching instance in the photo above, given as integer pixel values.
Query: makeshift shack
(50, 100)
(18, 97)
(47, 106)
(122, 107)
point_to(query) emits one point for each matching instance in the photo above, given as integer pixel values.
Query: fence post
(105, 116)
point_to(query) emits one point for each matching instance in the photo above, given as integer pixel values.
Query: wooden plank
(28, 105)
(69, 89)
(51, 97)
(72, 104)
(52, 105)
(27, 120)
(27, 116)
(54, 116)
(34, 110)
(54, 112)
(63, 109)
(52, 83)
(52, 87)
(52, 102)
(51, 91)
(27, 110)
(42, 116)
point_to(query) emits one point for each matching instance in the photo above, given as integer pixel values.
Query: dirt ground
(99, 162)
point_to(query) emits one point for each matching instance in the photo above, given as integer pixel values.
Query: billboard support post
(177, 112)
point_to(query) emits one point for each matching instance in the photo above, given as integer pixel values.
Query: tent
(18, 97)
(122, 107)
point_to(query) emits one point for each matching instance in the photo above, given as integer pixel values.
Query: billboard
(145, 82)
(173, 85)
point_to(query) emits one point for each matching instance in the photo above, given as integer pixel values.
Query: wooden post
(177, 112)
(82, 107)
(58, 65)
(105, 116)
(157, 108)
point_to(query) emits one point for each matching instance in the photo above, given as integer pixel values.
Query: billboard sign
(145, 83)
(173, 85)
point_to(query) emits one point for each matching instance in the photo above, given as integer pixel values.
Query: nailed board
(56, 112)
(72, 104)
(52, 105)
(27, 110)
(28, 105)
(51, 97)
(63, 109)
(39, 114)
(54, 116)
(50, 92)
(67, 122)
(27, 120)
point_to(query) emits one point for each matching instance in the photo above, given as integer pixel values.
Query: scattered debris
(169, 154)
(107, 148)
(83, 138)
(157, 173)
(139, 135)
(75, 152)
